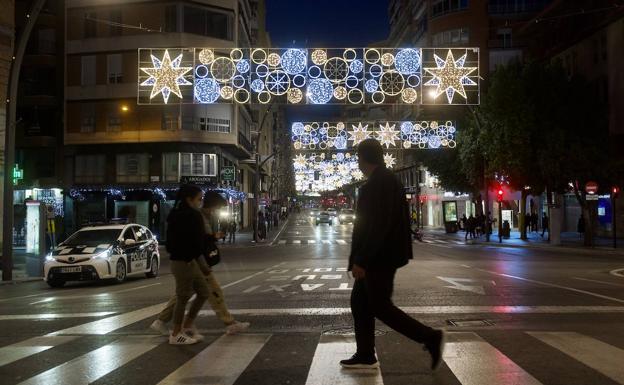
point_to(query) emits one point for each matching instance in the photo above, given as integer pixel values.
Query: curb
(21, 280)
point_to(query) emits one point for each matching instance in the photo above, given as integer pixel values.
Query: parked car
(103, 252)
(346, 216)
(324, 217)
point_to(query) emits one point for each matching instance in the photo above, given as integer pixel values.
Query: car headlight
(50, 258)
(342, 217)
(103, 255)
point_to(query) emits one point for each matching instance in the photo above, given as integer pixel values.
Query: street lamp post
(257, 178)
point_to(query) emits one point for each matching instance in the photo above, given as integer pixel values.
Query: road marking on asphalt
(136, 288)
(617, 273)
(220, 363)
(602, 357)
(42, 316)
(475, 362)
(341, 241)
(110, 324)
(50, 299)
(311, 241)
(332, 311)
(29, 347)
(325, 370)
(22, 297)
(597, 281)
(458, 284)
(281, 242)
(297, 241)
(93, 365)
(554, 285)
(280, 232)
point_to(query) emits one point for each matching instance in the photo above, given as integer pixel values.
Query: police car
(103, 252)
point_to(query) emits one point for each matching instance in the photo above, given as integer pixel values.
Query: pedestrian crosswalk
(469, 359)
(344, 242)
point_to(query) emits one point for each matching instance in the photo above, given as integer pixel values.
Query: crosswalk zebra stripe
(326, 242)
(222, 362)
(475, 362)
(600, 356)
(341, 241)
(297, 241)
(311, 241)
(326, 371)
(93, 365)
(281, 242)
(30, 347)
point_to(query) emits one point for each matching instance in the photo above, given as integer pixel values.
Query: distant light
(125, 108)
(433, 94)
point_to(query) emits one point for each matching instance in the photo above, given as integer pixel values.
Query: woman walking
(185, 244)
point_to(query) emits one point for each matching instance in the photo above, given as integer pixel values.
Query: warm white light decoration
(450, 76)
(166, 76)
(389, 160)
(387, 135)
(423, 134)
(318, 172)
(312, 75)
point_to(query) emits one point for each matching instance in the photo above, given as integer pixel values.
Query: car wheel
(154, 269)
(56, 282)
(121, 271)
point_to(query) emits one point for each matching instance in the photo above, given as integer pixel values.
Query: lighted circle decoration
(277, 82)
(294, 61)
(207, 90)
(407, 61)
(336, 69)
(320, 91)
(223, 69)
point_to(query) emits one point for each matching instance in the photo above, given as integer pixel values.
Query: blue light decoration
(422, 134)
(207, 90)
(320, 91)
(294, 61)
(287, 75)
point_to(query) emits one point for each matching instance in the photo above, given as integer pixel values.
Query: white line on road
(281, 242)
(600, 356)
(311, 241)
(617, 272)
(476, 362)
(325, 370)
(326, 242)
(8, 317)
(136, 288)
(50, 299)
(297, 241)
(95, 364)
(280, 232)
(596, 281)
(220, 363)
(554, 285)
(22, 297)
(341, 241)
(27, 348)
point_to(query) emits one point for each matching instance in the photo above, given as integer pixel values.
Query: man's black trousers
(372, 298)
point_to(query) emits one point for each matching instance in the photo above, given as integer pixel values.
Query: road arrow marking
(458, 284)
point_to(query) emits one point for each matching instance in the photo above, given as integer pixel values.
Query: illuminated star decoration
(450, 76)
(166, 76)
(389, 160)
(300, 161)
(387, 135)
(359, 133)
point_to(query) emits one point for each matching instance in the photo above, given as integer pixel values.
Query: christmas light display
(389, 160)
(347, 135)
(309, 76)
(323, 172)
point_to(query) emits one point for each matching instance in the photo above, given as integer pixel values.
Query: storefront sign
(591, 197)
(228, 173)
(18, 174)
(154, 178)
(196, 179)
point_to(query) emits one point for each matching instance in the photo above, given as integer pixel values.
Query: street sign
(18, 174)
(228, 173)
(591, 197)
(591, 187)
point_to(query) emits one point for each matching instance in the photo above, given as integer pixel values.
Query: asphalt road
(513, 316)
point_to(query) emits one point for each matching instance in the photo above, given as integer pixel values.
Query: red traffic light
(500, 194)
(615, 190)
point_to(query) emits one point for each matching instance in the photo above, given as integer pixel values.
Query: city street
(514, 315)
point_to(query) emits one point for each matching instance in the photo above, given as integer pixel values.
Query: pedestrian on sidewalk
(261, 226)
(211, 204)
(185, 244)
(545, 224)
(232, 230)
(381, 245)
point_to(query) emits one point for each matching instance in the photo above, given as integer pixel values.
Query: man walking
(381, 244)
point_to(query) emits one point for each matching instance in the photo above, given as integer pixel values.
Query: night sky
(325, 24)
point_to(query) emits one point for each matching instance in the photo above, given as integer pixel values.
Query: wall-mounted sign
(197, 179)
(18, 174)
(228, 173)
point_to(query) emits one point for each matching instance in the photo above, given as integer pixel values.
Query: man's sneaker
(435, 347)
(360, 362)
(193, 333)
(160, 327)
(181, 339)
(237, 327)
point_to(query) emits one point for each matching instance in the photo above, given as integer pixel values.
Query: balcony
(245, 143)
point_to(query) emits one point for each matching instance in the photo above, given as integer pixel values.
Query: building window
(198, 164)
(451, 37)
(171, 18)
(90, 26)
(87, 118)
(132, 168)
(113, 68)
(115, 22)
(516, 6)
(47, 41)
(87, 75)
(171, 162)
(504, 37)
(214, 125)
(113, 123)
(90, 168)
(201, 21)
(442, 7)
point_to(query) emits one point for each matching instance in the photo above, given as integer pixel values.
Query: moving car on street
(314, 212)
(332, 211)
(346, 216)
(324, 217)
(103, 252)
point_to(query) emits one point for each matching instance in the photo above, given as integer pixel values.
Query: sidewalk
(244, 237)
(568, 240)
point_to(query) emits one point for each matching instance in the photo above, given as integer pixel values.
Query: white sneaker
(181, 339)
(160, 327)
(193, 333)
(237, 327)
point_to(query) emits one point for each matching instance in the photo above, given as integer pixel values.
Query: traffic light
(615, 191)
(499, 195)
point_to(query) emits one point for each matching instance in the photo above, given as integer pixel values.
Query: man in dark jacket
(381, 244)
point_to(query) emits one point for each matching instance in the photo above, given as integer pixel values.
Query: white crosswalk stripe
(223, 361)
(281, 242)
(469, 359)
(598, 355)
(311, 241)
(284, 242)
(341, 241)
